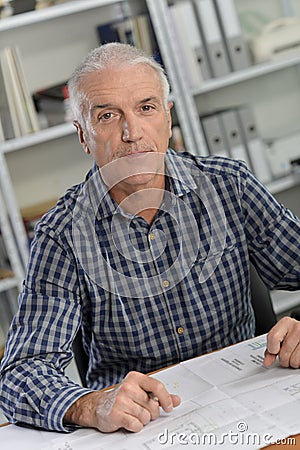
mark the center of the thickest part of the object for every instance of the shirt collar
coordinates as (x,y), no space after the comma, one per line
(180,173)
(180,182)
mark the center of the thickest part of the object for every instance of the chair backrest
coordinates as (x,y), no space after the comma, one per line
(81,358)
(265,317)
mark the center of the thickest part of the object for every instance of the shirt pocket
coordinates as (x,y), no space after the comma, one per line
(224,262)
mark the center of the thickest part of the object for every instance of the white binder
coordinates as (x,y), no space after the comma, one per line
(233,135)
(214,135)
(212,37)
(255,145)
(237,48)
(2,137)
(180,14)
(188,29)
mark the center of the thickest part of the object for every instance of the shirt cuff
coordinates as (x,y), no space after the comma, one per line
(54,420)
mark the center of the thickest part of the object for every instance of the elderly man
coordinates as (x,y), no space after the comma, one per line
(149,256)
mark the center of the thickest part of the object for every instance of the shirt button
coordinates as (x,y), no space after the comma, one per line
(180,330)
(152,236)
(166,283)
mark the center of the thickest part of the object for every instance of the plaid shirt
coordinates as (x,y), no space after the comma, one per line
(146,296)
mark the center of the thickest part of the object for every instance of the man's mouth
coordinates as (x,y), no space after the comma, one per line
(137,154)
(133,151)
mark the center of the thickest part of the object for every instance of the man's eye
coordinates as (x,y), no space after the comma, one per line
(147,108)
(105,116)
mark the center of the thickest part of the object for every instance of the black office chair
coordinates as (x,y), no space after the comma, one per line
(265,317)
(295,314)
(81,358)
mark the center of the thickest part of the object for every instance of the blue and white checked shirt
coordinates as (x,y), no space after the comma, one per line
(145,296)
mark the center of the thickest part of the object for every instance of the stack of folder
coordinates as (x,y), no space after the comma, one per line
(210,39)
(233,133)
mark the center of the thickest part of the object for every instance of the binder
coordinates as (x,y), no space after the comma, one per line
(237,48)
(212,37)
(214,135)
(7,125)
(30,111)
(233,135)
(2,137)
(126,31)
(136,30)
(107,32)
(9,93)
(143,33)
(16,96)
(188,31)
(189,63)
(255,144)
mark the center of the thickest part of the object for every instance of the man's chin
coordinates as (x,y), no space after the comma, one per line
(135,168)
(142,178)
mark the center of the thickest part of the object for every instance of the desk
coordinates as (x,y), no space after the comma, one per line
(229,401)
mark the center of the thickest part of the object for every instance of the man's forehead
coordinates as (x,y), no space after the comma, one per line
(138,75)
(108,85)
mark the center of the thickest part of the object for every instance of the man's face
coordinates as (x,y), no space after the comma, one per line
(128,127)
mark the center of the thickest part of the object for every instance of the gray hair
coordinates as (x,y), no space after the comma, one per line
(100,58)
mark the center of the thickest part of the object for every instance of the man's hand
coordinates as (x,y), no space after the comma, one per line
(283,341)
(127,406)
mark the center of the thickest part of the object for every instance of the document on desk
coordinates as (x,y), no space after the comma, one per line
(229,401)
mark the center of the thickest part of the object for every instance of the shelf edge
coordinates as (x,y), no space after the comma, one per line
(246,74)
(38,137)
(52,12)
(8,283)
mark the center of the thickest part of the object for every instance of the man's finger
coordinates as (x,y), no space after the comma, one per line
(157,389)
(269,359)
(283,340)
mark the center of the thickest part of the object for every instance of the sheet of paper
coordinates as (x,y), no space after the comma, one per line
(271,396)
(179,380)
(228,399)
(233,363)
(16,437)
(91,440)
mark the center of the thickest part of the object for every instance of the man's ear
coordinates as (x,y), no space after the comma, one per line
(170,105)
(81,137)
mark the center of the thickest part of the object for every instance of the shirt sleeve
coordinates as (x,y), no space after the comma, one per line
(34,388)
(273,235)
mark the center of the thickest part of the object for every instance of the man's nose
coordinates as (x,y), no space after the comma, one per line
(132,130)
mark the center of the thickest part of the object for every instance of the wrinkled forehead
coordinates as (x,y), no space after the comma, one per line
(114,84)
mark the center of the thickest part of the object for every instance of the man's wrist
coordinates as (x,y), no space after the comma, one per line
(82,411)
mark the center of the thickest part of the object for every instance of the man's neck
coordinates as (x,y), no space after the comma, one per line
(143,201)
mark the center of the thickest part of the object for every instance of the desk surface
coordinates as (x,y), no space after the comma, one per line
(13,436)
(229,400)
